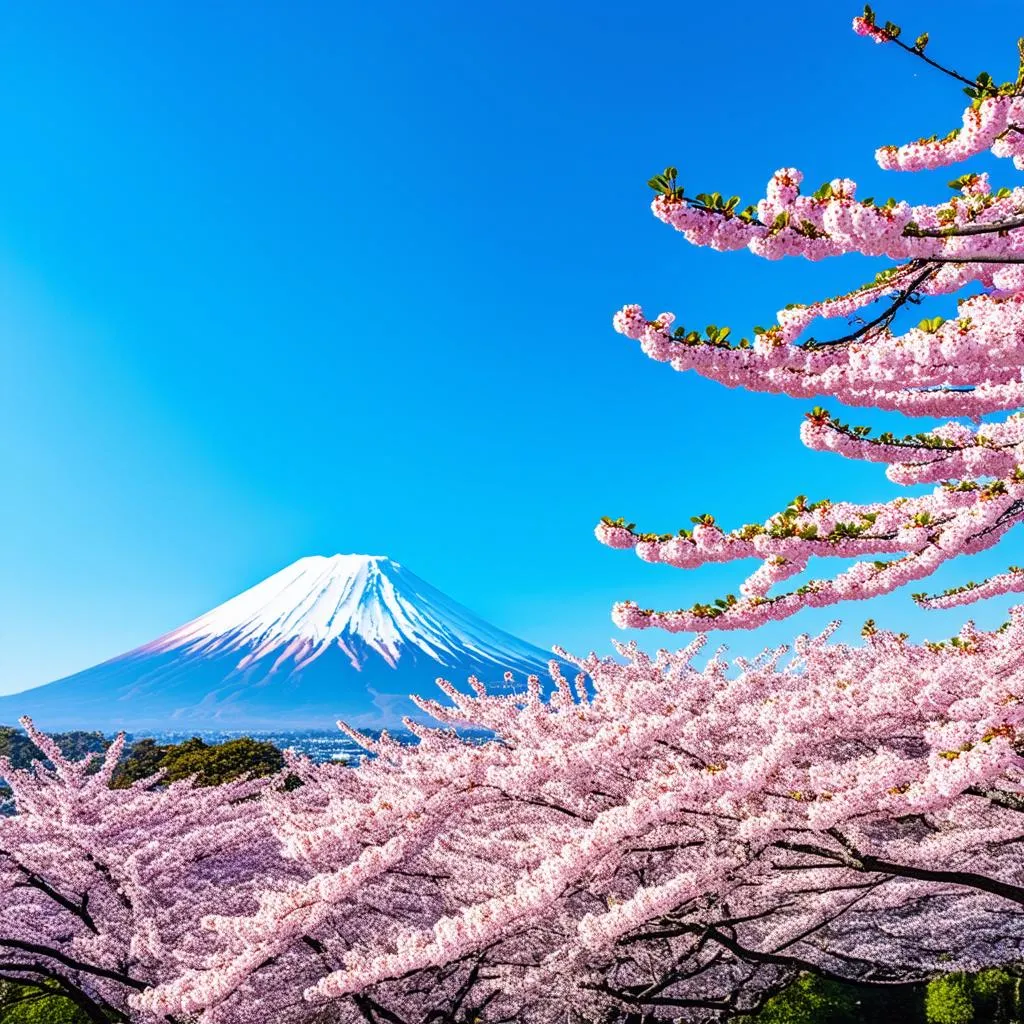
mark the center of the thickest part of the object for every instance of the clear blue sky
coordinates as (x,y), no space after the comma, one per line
(287,279)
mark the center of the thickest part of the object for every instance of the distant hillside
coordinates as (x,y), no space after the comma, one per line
(14,744)
(210,764)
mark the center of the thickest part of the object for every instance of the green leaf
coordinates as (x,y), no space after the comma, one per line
(963,181)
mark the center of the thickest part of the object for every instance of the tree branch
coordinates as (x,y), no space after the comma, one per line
(75,965)
(882,320)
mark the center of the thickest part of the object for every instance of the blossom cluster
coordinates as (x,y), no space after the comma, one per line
(833,222)
(959,369)
(102,890)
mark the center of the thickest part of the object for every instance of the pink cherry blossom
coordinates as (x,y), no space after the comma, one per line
(959,369)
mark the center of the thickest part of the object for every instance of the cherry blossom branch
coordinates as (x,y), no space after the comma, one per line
(1001,260)
(72,962)
(1000,797)
(961,231)
(857,861)
(80,909)
(371,1011)
(918,52)
(884,319)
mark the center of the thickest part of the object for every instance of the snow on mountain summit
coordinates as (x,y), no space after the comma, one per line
(326,637)
(321,601)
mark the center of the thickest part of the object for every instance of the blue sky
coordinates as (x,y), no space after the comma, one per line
(279,280)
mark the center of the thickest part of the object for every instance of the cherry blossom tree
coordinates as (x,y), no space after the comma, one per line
(102,888)
(688,839)
(678,845)
(964,367)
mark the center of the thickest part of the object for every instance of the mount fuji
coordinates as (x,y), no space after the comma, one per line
(348,636)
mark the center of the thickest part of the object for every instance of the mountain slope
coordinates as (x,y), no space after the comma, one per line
(349,636)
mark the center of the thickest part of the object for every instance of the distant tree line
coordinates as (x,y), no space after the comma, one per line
(211,763)
(16,745)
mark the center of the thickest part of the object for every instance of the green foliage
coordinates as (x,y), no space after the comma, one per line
(24,1004)
(948,1000)
(665,184)
(212,764)
(809,1000)
(989,996)
(991,984)
(22,752)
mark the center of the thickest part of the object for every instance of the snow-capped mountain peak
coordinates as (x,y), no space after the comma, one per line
(327,637)
(346,600)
